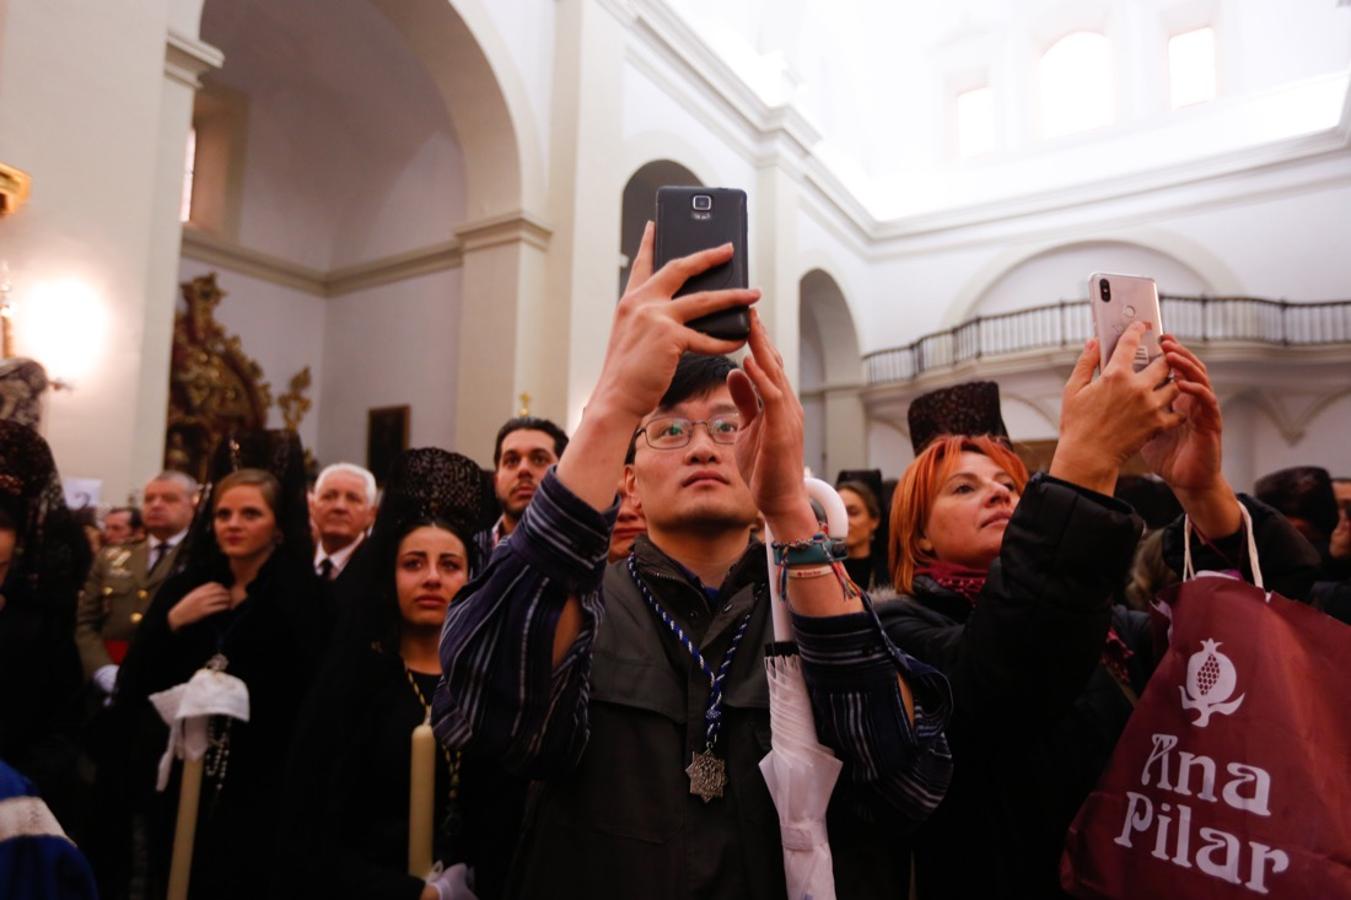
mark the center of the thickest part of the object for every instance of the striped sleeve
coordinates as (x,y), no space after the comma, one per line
(501,695)
(851,669)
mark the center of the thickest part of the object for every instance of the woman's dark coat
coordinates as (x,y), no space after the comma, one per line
(1036,715)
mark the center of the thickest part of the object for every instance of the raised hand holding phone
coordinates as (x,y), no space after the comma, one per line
(692,219)
(649,333)
(1104,421)
(1117,302)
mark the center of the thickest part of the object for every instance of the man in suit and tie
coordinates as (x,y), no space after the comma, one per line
(342,508)
(125,577)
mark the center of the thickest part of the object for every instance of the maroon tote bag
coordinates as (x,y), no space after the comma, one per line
(1232,778)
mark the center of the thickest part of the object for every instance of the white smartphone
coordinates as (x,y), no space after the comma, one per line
(1119,300)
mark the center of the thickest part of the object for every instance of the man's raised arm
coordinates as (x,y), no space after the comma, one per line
(516,645)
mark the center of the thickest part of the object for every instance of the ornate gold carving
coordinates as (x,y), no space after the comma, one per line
(525,405)
(294,404)
(14,185)
(214,386)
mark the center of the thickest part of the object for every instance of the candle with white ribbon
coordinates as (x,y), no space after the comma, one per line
(421,799)
(185,708)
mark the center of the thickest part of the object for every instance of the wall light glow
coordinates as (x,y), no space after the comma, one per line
(63,325)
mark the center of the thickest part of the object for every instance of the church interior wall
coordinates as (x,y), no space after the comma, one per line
(351,156)
(1324,440)
(1060,275)
(394,345)
(80,113)
(525,31)
(350,153)
(651,117)
(1276,245)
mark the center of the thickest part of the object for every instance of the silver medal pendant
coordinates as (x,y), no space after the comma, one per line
(708,775)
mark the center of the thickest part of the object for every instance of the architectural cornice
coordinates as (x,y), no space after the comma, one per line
(187,58)
(389,269)
(1200,171)
(208,248)
(507,228)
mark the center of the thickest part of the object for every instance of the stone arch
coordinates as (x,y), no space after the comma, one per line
(824,309)
(467,60)
(1211,273)
(830,376)
(637,205)
(502,239)
(471,67)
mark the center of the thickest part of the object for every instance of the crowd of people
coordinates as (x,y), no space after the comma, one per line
(585,629)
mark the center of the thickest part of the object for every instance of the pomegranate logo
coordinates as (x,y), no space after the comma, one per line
(1211,680)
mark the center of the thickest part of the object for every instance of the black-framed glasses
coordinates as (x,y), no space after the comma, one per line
(674,432)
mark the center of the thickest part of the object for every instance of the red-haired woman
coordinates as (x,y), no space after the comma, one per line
(1009,583)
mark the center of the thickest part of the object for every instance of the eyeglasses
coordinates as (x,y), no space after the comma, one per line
(674,432)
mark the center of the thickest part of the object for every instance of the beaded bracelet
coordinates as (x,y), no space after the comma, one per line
(817,550)
(812,558)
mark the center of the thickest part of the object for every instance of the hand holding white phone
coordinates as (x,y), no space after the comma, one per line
(1117,301)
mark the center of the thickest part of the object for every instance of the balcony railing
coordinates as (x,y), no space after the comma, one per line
(1069,323)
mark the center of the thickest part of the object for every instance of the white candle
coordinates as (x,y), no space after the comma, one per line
(421,799)
(185,830)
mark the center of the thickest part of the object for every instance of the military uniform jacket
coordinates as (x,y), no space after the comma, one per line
(115,596)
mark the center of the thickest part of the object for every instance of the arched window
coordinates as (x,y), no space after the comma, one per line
(1075,76)
(1191,67)
(639,203)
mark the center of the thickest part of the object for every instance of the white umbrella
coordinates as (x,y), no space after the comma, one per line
(799,770)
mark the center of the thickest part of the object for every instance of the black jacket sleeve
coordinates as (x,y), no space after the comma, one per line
(1037,630)
(1289,563)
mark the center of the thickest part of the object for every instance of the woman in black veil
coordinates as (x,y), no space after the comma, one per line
(245,593)
(349,779)
(44,558)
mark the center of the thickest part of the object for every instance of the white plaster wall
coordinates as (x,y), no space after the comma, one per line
(80,113)
(390,346)
(821,246)
(280,327)
(657,123)
(1286,244)
(1061,275)
(888,449)
(526,28)
(349,153)
(1281,238)
(1325,443)
(811,374)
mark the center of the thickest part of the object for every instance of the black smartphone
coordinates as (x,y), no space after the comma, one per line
(690,219)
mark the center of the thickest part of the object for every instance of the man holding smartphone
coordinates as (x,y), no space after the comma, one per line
(636,695)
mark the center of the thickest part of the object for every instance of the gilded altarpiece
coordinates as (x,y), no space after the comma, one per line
(215,387)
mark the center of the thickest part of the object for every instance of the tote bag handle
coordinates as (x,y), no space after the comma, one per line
(1189,570)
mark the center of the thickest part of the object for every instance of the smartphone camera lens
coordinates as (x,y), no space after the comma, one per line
(702,202)
(1105,290)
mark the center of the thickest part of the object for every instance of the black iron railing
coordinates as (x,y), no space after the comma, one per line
(1069,323)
